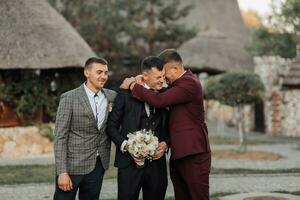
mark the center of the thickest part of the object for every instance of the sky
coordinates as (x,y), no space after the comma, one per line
(263,7)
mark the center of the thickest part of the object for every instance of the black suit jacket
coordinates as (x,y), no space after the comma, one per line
(125,118)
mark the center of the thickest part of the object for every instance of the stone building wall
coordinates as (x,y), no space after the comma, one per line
(281,106)
(290,113)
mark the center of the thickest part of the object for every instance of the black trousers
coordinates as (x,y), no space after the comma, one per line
(89,185)
(152,179)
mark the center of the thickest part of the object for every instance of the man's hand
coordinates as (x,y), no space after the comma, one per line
(64,182)
(139,79)
(161,149)
(138,161)
(126,83)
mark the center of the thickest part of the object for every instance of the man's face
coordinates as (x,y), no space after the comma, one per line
(154,78)
(170,72)
(97,75)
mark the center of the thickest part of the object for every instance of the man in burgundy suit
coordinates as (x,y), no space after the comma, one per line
(190,161)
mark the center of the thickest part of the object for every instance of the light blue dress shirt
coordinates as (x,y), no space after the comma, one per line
(98,103)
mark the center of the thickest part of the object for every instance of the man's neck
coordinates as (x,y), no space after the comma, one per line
(180,74)
(148,87)
(92,88)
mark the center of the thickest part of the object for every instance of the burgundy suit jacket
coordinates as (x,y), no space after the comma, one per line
(188,131)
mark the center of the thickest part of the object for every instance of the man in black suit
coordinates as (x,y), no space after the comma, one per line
(129,115)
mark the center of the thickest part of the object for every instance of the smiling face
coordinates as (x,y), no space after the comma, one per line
(154,78)
(97,75)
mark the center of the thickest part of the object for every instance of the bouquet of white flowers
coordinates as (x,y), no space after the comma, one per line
(142,144)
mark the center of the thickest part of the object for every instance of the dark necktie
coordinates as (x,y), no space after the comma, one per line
(151,110)
(96,99)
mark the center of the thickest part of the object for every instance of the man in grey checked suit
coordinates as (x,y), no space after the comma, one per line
(81,147)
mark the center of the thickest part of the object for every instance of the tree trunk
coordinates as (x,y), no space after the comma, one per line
(151,27)
(242,134)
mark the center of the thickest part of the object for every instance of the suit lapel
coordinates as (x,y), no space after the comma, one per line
(86,103)
(138,106)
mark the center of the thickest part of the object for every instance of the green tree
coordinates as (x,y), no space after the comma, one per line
(120,29)
(155,25)
(236,89)
(281,38)
(265,42)
(97,21)
(286,16)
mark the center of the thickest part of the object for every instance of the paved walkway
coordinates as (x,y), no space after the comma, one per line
(219,184)
(45,159)
(261,196)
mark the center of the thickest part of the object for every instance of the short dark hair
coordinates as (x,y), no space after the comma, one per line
(152,61)
(94,60)
(170,55)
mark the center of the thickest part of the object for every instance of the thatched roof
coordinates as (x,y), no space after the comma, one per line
(34,36)
(291,78)
(222,38)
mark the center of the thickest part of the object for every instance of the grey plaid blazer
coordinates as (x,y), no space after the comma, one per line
(77,138)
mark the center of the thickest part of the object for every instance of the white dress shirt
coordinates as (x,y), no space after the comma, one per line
(98,103)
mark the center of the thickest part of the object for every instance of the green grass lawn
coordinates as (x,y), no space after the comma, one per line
(26,174)
(232,140)
(35,174)
(45,173)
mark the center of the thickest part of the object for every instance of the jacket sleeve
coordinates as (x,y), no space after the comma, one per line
(175,95)
(115,119)
(61,133)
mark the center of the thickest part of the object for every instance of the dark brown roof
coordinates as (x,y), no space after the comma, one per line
(34,36)
(222,38)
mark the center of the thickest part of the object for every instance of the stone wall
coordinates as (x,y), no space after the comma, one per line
(23,141)
(281,106)
(290,113)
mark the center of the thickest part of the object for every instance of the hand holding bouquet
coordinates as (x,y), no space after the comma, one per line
(142,144)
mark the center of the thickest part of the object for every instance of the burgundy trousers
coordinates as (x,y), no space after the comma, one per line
(190,176)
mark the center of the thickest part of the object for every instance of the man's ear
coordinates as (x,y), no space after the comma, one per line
(176,68)
(145,76)
(86,73)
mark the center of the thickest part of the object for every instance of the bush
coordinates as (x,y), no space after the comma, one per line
(235,88)
(29,93)
(46,130)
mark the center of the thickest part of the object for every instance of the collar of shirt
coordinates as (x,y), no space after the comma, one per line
(147,86)
(147,105)
(90,93)
(179,77)
(182,74)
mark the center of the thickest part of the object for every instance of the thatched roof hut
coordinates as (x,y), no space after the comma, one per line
(222,38)
(34,36)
